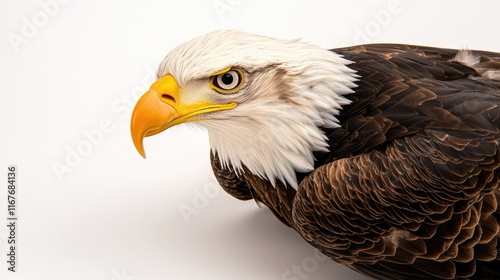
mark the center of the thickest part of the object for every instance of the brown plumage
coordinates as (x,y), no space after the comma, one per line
(409,187)
(386,160)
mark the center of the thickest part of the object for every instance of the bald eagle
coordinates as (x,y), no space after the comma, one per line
(384,157)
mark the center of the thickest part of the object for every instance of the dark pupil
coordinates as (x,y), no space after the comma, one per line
(227,78)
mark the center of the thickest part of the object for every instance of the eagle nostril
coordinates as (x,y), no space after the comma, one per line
(168,97)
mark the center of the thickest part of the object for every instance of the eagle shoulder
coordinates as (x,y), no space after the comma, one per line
(410,187)
(279,199)
(229,181)
(421,201)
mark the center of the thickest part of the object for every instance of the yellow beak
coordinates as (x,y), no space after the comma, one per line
(159,108)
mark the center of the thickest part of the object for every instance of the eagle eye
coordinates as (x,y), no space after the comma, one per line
(228,81)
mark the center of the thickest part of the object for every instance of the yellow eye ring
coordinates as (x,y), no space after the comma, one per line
(226,81)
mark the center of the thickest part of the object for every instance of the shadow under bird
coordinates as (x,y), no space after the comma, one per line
(384,157)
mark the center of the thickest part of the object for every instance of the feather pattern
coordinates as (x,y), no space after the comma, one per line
(293,80)
(384,157)
(408,188)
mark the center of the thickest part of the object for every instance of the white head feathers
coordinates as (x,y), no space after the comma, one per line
(291,90)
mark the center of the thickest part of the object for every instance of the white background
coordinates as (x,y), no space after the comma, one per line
(69,68)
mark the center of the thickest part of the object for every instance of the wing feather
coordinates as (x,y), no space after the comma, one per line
(409,189)
(455,222)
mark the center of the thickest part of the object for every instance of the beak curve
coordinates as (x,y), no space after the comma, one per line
(159,108)
(150,116)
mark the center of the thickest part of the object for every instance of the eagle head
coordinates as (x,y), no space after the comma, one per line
(263,101)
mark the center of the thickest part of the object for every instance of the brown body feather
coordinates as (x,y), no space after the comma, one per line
(409,189)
